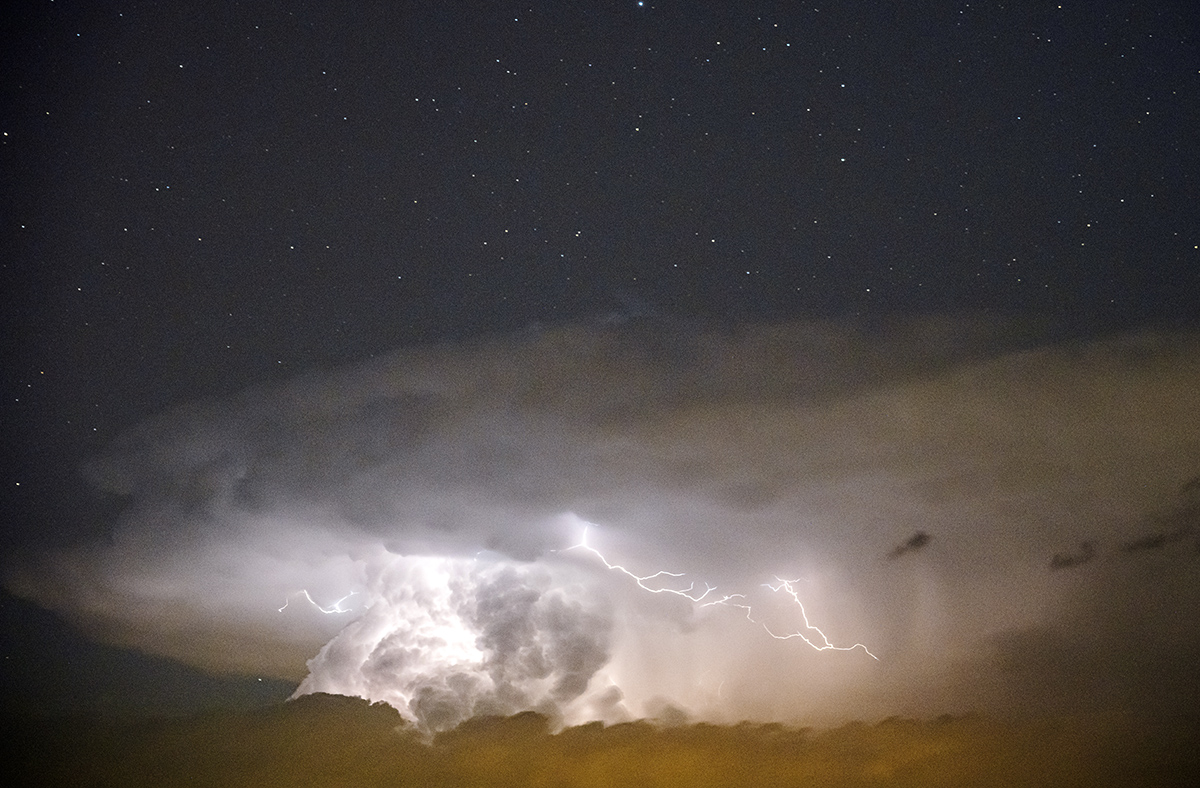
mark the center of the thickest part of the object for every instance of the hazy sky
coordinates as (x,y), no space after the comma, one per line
(381,310)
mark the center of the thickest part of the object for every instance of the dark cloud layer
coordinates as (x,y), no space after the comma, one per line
(443,484)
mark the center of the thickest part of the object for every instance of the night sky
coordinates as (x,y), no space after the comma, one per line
(899,298)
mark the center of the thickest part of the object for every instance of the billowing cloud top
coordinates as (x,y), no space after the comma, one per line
(412,517)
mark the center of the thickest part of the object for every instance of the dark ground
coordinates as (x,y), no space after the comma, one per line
(324,740)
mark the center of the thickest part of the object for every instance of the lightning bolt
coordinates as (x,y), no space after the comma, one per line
(336,607)
(729,600)
(686,593)
(788,588)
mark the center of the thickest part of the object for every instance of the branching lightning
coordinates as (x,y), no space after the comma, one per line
(788,587)
(336,607)
(729,600)
(687,593)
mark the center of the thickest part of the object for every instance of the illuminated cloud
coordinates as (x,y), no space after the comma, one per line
(446,639)
(412,515)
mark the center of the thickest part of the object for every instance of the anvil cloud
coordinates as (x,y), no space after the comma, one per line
(436,491)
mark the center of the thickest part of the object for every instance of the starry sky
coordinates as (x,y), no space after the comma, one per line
(242,206)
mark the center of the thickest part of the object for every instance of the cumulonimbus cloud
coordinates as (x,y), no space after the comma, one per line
(434,493)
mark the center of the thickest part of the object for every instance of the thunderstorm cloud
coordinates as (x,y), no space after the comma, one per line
(406,529)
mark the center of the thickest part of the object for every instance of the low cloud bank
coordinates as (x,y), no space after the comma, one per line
(324,740)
